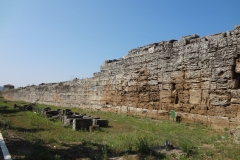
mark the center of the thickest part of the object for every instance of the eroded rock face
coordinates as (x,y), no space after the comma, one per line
(198,77)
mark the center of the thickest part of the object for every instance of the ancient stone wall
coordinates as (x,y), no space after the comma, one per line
(196,76)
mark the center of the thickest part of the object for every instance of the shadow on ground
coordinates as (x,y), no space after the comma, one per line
(37,150)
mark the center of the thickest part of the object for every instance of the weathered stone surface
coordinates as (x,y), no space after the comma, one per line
(81,124)
(194,75)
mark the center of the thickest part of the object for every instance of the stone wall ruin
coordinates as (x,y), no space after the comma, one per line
(196,76)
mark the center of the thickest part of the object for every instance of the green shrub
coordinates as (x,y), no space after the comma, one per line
(104,152)
(186,145)
(143,146)
(5,124)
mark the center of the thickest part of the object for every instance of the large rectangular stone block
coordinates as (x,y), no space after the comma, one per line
(177,76)
(167,106)
(165,96)
(205,97)
(168,86)
(183,96)
(217,122)
(192,74)
(81,124)
(235,93)
(195,96)
(217,99)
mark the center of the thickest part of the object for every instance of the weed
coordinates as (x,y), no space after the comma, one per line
(51,140)
(104,152)
(209,153)
(57,157)
(183,157)
(226,129)
(186,145)
(143,146)
(4,133)
(5,124)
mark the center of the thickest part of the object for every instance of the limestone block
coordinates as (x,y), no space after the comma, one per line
(235,108)
(217,122)
(235,100)
(222,42)
(153,82)
(81,124)
(187,117)
(167,106)
(152,63)
(237,67)
(231,115)
(217,99)
(177,58)
(178,107)
(192,66)
(205,97)
(160,77)
(154,96)
(222,73)
(179,86)
(231,38)
(167,68)
(192,74)
(186,85)
(218,111)
(160,86)
(191,57)
(205,64)
(168,86)
(166,77)
(205,85)
(162,63)
(143,78)
(132,83)
(165,96)
(216,63)
(234,122)
(206,56)
(200,118)
(188,107)
(226,53)
(151,105)
(195,96)
(195,86)
(153,74)
(177,76)
(163,114)
(235,93)
(183,96)
(154,88)
(213,85)
(222,85)
(143,86)
(202,112)
(230,62)
(206,72)
(144,97)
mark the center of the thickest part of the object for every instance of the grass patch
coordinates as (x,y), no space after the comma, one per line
(126,135)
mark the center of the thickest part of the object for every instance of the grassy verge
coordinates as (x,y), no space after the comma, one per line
(31,136)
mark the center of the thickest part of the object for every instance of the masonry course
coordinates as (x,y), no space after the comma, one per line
(198,77)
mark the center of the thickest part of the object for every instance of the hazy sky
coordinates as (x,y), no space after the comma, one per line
(46,41)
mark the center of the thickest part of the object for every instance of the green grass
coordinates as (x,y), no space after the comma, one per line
(126,135)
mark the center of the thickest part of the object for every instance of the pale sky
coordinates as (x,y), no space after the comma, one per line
(43,41)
